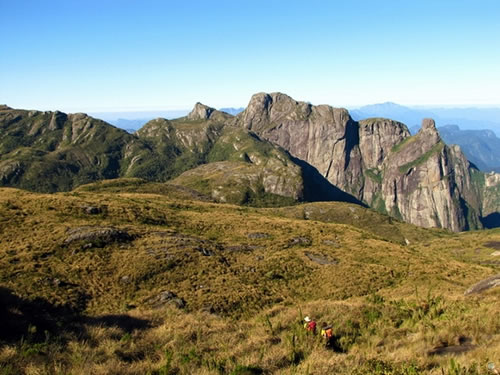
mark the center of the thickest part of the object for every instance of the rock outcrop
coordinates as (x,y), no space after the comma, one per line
(428,184)
(416,179)
(484,285)
(97,236)
(201,112)
(321,136)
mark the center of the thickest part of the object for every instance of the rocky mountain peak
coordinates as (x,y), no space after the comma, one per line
(200,112)
(429,131)
(428,124)
(265,100)
(57,120)
(276,107)
(4,107)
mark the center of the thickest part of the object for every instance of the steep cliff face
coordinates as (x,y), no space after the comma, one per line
(323,136)
(416,179)
(341,149)
(377,137)
(428,184)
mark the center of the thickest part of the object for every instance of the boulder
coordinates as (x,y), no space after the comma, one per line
(97,236)
(483,285)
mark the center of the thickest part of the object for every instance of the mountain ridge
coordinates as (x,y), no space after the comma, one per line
(417,179)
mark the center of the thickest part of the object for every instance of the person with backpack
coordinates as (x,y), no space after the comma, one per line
(327,334)
(309,324)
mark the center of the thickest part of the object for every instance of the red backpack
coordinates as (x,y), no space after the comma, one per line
(311,326)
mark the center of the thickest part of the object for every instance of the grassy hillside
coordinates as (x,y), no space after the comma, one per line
(52,151)
(101,281)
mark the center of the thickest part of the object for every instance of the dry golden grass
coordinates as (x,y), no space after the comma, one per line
(390,302)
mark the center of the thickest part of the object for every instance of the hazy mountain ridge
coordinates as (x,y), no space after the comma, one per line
(133,121)
(482,147)
(467,118)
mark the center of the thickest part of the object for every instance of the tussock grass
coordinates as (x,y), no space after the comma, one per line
(393,294)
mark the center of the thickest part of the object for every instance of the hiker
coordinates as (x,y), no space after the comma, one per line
(491,367)
(310,324)
(327,334)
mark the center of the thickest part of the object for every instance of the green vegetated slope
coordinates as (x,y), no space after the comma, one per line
(127,276)
(52,151)
(243,169)
(181,144)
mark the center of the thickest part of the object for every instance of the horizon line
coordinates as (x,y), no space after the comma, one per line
(178,108)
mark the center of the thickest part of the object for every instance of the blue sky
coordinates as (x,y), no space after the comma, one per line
(118,55)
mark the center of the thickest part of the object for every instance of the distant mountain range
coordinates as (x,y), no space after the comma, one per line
(467,118)
(232,111)
(482,147)
(133,121)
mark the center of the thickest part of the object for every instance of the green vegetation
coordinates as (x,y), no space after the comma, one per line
(374,174)
(397,148)
(236,145)
(478,178)
(378,204)
(78,150)
(438,147)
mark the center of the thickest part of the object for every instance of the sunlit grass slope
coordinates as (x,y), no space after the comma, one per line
(126,277)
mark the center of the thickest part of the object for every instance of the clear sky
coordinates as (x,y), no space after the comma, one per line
(118,55)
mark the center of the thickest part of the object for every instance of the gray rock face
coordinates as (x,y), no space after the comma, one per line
(258,235)
(484,285)
(416,179)
(167,297)
(200,112)
(428,183)
(321,259)
(376,139)
(323,136)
